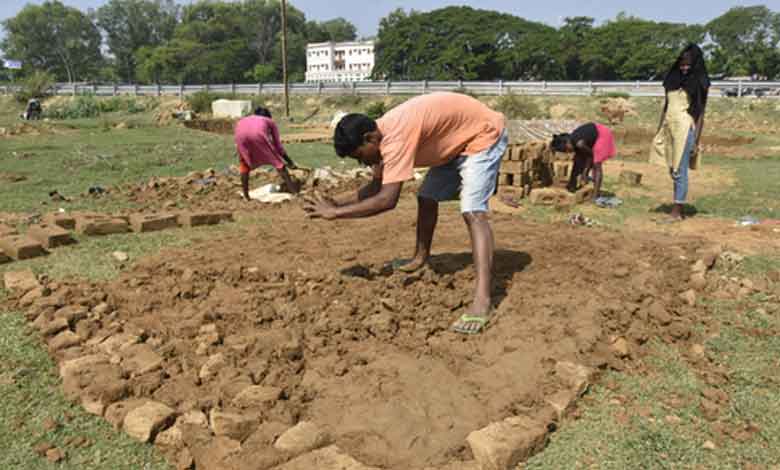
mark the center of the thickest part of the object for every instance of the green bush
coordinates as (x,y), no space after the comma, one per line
(38,86)
(520,107)
(376,109)
(615,94)
(88,106)
(343,101)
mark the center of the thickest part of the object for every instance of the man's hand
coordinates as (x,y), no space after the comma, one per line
(320,208)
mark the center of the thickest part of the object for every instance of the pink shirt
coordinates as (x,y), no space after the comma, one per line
(258,142)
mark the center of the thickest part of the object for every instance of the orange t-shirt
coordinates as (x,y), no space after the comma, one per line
(430,130)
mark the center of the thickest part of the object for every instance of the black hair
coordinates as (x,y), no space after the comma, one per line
(350,133)
(261,111)
(696,82)
(559,142)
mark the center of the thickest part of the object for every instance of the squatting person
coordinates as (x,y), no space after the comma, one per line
(592,144)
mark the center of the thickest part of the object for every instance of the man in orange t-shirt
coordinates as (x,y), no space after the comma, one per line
(462,141)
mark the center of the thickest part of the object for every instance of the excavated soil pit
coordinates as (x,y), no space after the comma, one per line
(307,310)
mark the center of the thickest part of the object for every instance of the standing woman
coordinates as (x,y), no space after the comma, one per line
(677,141)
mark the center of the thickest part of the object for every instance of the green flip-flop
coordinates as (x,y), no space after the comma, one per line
(482,321)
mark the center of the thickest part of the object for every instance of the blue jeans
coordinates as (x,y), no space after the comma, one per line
(474,177)
(680,177)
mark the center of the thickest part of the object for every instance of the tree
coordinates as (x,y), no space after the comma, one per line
(629,48)
(226,42)
(746,42)
(129,25)
(337,30)
(453,44)
(574,35)
(54,38)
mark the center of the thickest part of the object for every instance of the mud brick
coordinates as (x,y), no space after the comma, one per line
(505,179)
(552,197)
(512,167)
(562,171)
(584,194)
(21,247)
(50,236)
(66,221)
(99,225)
(4,258)
(153,223)
(6,230)
(195,219)
(503,445)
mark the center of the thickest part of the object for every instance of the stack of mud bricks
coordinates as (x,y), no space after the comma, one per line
(530,165)
(55,229)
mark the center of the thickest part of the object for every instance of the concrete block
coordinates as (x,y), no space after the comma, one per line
(100,225)
(66,221)
(21,247)
(231,109)
(50,236)
(195,219)
(152,223)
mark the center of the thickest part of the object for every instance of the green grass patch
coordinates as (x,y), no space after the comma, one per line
(32,394)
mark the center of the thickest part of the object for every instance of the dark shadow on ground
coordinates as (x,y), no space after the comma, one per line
(506,264)
(687,210)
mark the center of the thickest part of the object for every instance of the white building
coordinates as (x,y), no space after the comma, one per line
(339,61)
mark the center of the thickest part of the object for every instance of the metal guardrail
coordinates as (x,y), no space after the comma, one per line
(367,88)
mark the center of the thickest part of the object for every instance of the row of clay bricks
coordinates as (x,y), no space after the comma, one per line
(55,230)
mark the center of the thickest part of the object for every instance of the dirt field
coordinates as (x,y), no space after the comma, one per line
(255,345)
(364,352)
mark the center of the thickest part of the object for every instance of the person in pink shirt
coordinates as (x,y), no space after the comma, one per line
(462,141)
(258,143)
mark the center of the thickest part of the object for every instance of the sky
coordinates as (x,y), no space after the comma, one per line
(365,14)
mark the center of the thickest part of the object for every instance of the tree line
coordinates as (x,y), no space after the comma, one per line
(214,41)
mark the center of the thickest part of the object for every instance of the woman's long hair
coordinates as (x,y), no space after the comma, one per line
(696,82)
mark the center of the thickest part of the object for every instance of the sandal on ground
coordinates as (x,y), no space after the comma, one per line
(480,320)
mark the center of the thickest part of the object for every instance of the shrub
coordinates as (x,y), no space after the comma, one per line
(343,101)
(615,94)
(38,85)
(88,106)
(520,107)
(376,110)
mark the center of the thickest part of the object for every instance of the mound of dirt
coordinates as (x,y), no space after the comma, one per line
(237,341)
(168,110)
(615,110)
(220,191)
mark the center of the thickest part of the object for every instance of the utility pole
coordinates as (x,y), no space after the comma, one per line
(284,61)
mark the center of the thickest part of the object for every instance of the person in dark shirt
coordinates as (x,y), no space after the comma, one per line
(592,144)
